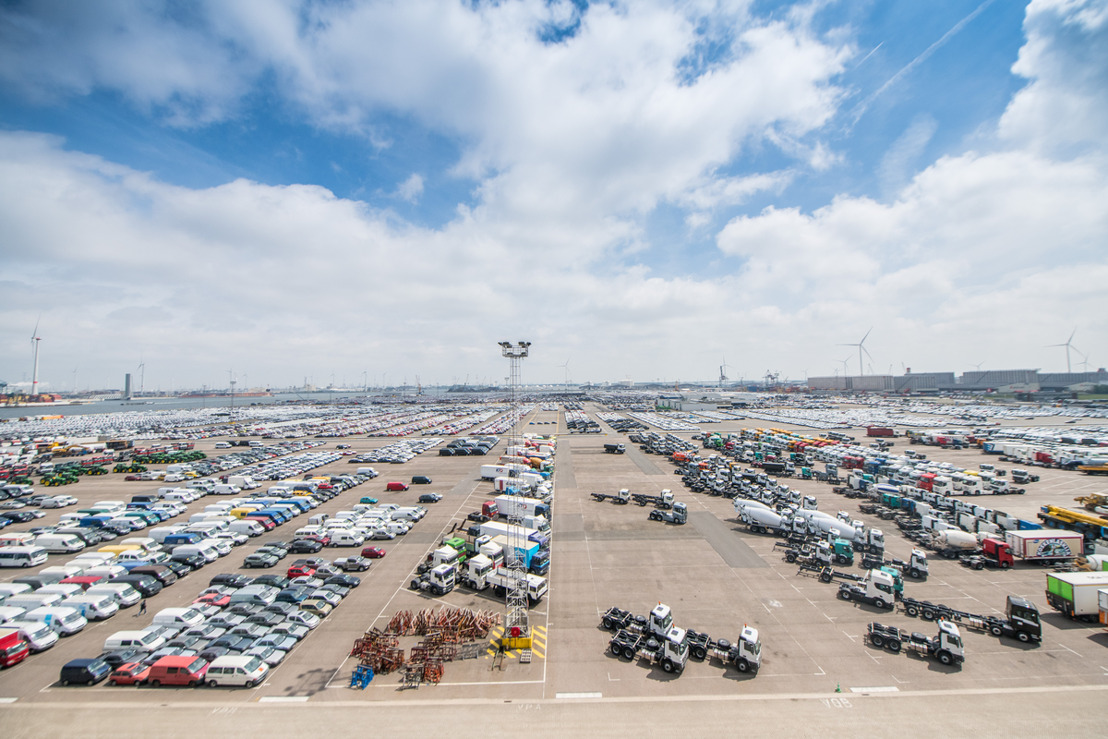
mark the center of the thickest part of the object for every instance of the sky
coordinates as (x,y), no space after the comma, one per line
(281,191)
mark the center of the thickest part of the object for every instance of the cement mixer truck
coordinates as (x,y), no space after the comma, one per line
(954,543)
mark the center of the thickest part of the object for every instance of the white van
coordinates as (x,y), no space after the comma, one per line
(143,641)
(64,620)
(123,593)
(65,591)
(207,551)
(145,542)
(179,497)
(69,569)
(180,617)
(39,636)
(207,527)
(110,506)
(226,490)
(94,558)
(8,589)
(60,543)
(93,607)
(346,539)
(236,671)
(250,528)
(158,534)
(10,613)
(17,539)
(223,445)
(22,556)
(31,601)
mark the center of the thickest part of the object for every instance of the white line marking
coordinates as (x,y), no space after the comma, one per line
(578,695)
(283,699)
(8,700)
(882,689)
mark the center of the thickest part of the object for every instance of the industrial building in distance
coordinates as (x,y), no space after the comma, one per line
(1002,381)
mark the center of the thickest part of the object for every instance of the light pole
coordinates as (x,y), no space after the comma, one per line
(517,630)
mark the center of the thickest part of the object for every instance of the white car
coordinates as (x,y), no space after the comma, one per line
(234,537)
(59,501)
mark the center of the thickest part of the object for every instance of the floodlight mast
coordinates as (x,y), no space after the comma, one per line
(517,627)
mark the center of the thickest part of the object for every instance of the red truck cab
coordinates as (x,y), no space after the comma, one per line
(13,647)
(998,553)
(488,508)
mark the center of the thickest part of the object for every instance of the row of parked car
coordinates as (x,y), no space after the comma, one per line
(235,632)
(94,585)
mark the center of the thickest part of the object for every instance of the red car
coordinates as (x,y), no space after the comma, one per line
(300,570)
(373,552)
(219,600)
(321,538)
(394,486)
(129,673)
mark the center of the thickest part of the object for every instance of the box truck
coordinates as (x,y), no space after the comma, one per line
(1075,593)
(1043,545)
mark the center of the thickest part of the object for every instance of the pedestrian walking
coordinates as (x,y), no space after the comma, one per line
(142,607)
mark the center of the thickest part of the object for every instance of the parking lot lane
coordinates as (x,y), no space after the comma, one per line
(727,543)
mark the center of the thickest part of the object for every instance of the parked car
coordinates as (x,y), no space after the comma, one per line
(260,560)
(129,673)
(421,480)
(84,671)
(430,498)
(373,552)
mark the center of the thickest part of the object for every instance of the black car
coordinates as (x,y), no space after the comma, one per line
(421,480)
(119,657)
(233,644)
(266,618)
(232,580)
(146,585)
(277,581)
(346,581)
(18,516)
(85,671)
(305,546)
(430,498)
(192,562)
(181,567)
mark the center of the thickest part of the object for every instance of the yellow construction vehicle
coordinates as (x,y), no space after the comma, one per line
(1093,501)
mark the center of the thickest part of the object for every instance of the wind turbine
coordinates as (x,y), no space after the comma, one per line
(142,375)
(844,361)
(861,348)
(1069,345)
(35,339)
(565,367)
(723,372)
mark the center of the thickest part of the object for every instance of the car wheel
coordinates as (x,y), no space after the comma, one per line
(213,684)
(155,683)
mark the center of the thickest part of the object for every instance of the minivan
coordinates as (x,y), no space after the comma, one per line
(205,550)
(185,617)
(38,635)
(34,600)
(176,670)
(121,592)
(161,573)
(66,621)
(142,641)
(26,556)
(85,671)
(94,607)
(262,594)
(238,671)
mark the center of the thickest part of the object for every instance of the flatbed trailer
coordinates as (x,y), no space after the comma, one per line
(946,647)
(620,498)
(1021,619)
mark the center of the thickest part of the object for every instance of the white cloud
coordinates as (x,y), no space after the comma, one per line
(411,188)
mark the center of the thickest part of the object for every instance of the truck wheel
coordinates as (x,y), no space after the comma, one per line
(1005,565)
(615,649)
(912,611)
(790,558)
(880,603)
(878,640)
(946,658)
(1023,636)
(667,665)
(928,614)
(608,624)
(824,577)
(914,573)
(699,653)
(995,630)
(894,645)
(742,665)
(844,595)
(628,653)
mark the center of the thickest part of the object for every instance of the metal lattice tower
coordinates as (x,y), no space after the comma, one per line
(517,624)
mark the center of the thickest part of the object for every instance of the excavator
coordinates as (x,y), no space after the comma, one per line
(1095,502)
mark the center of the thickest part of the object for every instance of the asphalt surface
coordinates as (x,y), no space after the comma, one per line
(819,677)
